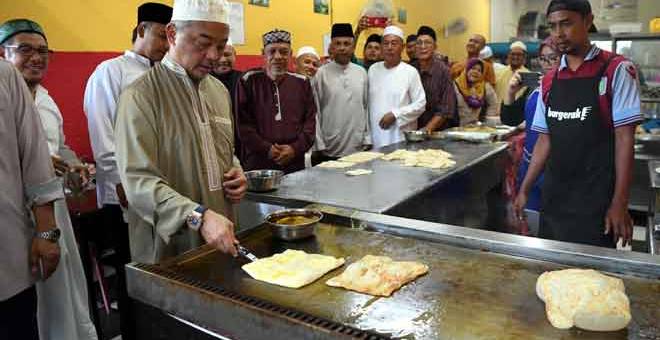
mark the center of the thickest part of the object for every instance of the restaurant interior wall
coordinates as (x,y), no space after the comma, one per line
(83,33)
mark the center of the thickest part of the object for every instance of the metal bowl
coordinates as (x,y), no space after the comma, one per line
(263,180)
(415,136)
(293,232)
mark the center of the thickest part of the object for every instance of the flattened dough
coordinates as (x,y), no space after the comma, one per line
(292,268)
(361,157)
(335,165)
(359,172)
(584,298)
(429,158)
(378,275)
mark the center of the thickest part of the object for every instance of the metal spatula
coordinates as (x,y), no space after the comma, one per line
(246,253)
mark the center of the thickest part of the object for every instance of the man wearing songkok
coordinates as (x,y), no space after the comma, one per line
(516,63)
(396,94)
(28,239)
(373,50)
(63,300)
(342,88)
(276,110)
(307,61)
(438,87)
(175,142)
(474,45)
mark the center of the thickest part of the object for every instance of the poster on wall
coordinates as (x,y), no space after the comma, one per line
(237,23)
(321,7)
(262,3)
(403,15)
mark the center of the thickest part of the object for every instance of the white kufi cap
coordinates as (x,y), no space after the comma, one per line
(518,44)
(201,10)
(394,30)
(486,53)
(307,50)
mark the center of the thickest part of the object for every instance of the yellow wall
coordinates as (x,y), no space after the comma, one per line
(98,25)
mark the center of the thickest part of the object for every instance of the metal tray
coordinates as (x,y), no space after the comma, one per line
(469,292)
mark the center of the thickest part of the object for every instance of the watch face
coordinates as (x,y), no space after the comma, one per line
(57,233)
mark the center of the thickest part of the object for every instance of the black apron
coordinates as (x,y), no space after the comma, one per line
(580,174)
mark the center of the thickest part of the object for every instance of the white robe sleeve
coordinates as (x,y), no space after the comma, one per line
(100,106)
(409,113)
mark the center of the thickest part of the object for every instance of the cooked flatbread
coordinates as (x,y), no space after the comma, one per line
(359,172)
(584,298)
(361,157)
(378,275)
(292,268)
(335,165)
(430,158)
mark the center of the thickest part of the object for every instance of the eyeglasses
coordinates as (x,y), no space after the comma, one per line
(28,50)
(550,58)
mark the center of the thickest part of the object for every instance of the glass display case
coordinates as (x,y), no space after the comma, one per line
(644,51)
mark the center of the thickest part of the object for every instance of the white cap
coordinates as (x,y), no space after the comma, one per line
(486,53)
(393,30)
(230,42)
(307,50)
(518,44)
(201,10)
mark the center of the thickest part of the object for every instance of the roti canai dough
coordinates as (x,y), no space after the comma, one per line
(430,158)
(378,275)
(361,157)
(292,268)
(359,172)
(335,165)
(584,298)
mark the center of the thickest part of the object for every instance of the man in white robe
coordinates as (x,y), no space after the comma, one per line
(396,94)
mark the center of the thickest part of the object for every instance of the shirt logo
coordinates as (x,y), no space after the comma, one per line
(580,113)
(602,86)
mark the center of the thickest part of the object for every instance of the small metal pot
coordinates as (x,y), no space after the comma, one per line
(293,232)
(263,180)
(415,136)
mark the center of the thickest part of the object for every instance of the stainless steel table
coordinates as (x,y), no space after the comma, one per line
(420,193)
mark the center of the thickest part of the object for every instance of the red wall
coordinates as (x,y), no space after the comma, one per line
(66,79)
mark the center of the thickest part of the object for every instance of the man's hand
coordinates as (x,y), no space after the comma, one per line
(121,194)
(48,253)
(619,224)
(286,154)
(235,185)
(387,121)
(519,206)
(274,152)
(60,166)
(218,231)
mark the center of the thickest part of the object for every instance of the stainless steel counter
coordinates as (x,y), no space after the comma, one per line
(653,235)
(481,284)
(395,189)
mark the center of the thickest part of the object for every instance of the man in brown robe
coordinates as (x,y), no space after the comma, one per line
(276,110)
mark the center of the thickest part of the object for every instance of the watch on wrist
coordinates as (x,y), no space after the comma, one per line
(195,219)
(52,235)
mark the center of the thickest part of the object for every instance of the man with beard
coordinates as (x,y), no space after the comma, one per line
(517,58)
(175,142)
(396,94)
(342,88)
(474,45)
(276,110)
(586,116)
(229,77)
(307,61)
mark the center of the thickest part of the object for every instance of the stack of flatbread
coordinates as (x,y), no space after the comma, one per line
(292,268)
(584,298)
(429,158)
(335,165)
(361,157)
(378,275)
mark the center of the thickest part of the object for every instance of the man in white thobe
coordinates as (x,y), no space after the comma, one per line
(396,94)
(342,88)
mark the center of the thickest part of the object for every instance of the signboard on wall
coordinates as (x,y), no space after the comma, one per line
(237,23)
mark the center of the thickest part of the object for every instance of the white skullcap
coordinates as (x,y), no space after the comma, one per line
(307,50)
(486,53)
(393,30)
(518,44)
(201,10)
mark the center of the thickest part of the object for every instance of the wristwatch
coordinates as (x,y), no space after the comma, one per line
(52,235)
(195,219)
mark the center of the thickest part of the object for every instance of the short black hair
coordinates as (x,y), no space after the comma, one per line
(426,30)
(581,6)
(411,38)
(147,25)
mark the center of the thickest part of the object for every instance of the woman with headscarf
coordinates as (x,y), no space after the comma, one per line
(475,98)
(511,114)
